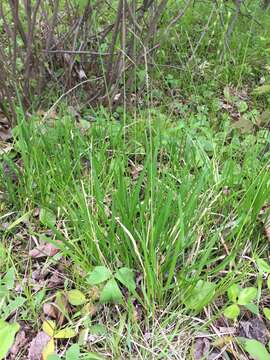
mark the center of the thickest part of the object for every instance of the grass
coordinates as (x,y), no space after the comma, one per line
(174,189)
(174,200)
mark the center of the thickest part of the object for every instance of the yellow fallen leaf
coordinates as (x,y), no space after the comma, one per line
(48,350)
(49,327)
(66,333)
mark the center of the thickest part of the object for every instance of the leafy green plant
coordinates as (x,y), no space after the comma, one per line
(264,269)
(7,335)
(255,349)
(239,297)
(111,291)
(201,295)
(8,305)
(49,327)
(246,296)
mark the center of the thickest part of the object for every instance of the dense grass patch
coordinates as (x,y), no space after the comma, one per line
(172,200)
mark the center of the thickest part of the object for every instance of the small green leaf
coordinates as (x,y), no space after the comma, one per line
(73,353)
(99,275)
(12,306)
(233,292)
(247,295)
(266,312)
(66,333)
(47,218)
(111,293)
(201,295)
(263,266)
(252,308)
(232,312)
(7,335)
(53,357)
(242,106)
(76,297)
(126,277)
(268,282)
(255,349)
(9,279)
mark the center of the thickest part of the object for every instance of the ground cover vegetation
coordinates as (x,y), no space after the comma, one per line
(134,179)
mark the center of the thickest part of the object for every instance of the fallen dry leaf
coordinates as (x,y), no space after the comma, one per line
(201,348)
(135,171)
(50,310)
(19,343)
(5,148)
(48,350)
(5,130)
(55,280)
(37,346)
(254,329)
(44,250)
(5,133)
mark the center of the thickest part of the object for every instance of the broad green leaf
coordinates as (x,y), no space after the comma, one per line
(47,217)
(255,349)
(268,282)
(233,292)
(13,305)
(73,353)
(9,279)
(16,303)
(66,333)
(3,323)
(49,327)
(266,312)
(247,295)
(126,277)
(7,335)
(53,357)
(76,297)
(111,293)
(232,312)
(261,90)
(48,350)
(99,275)
(242,106)
(263,266)
(252,308)
(201,295)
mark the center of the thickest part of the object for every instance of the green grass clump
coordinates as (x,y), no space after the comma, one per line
(174,200)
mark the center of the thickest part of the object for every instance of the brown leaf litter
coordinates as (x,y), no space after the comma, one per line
(44,250)
(37,345)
